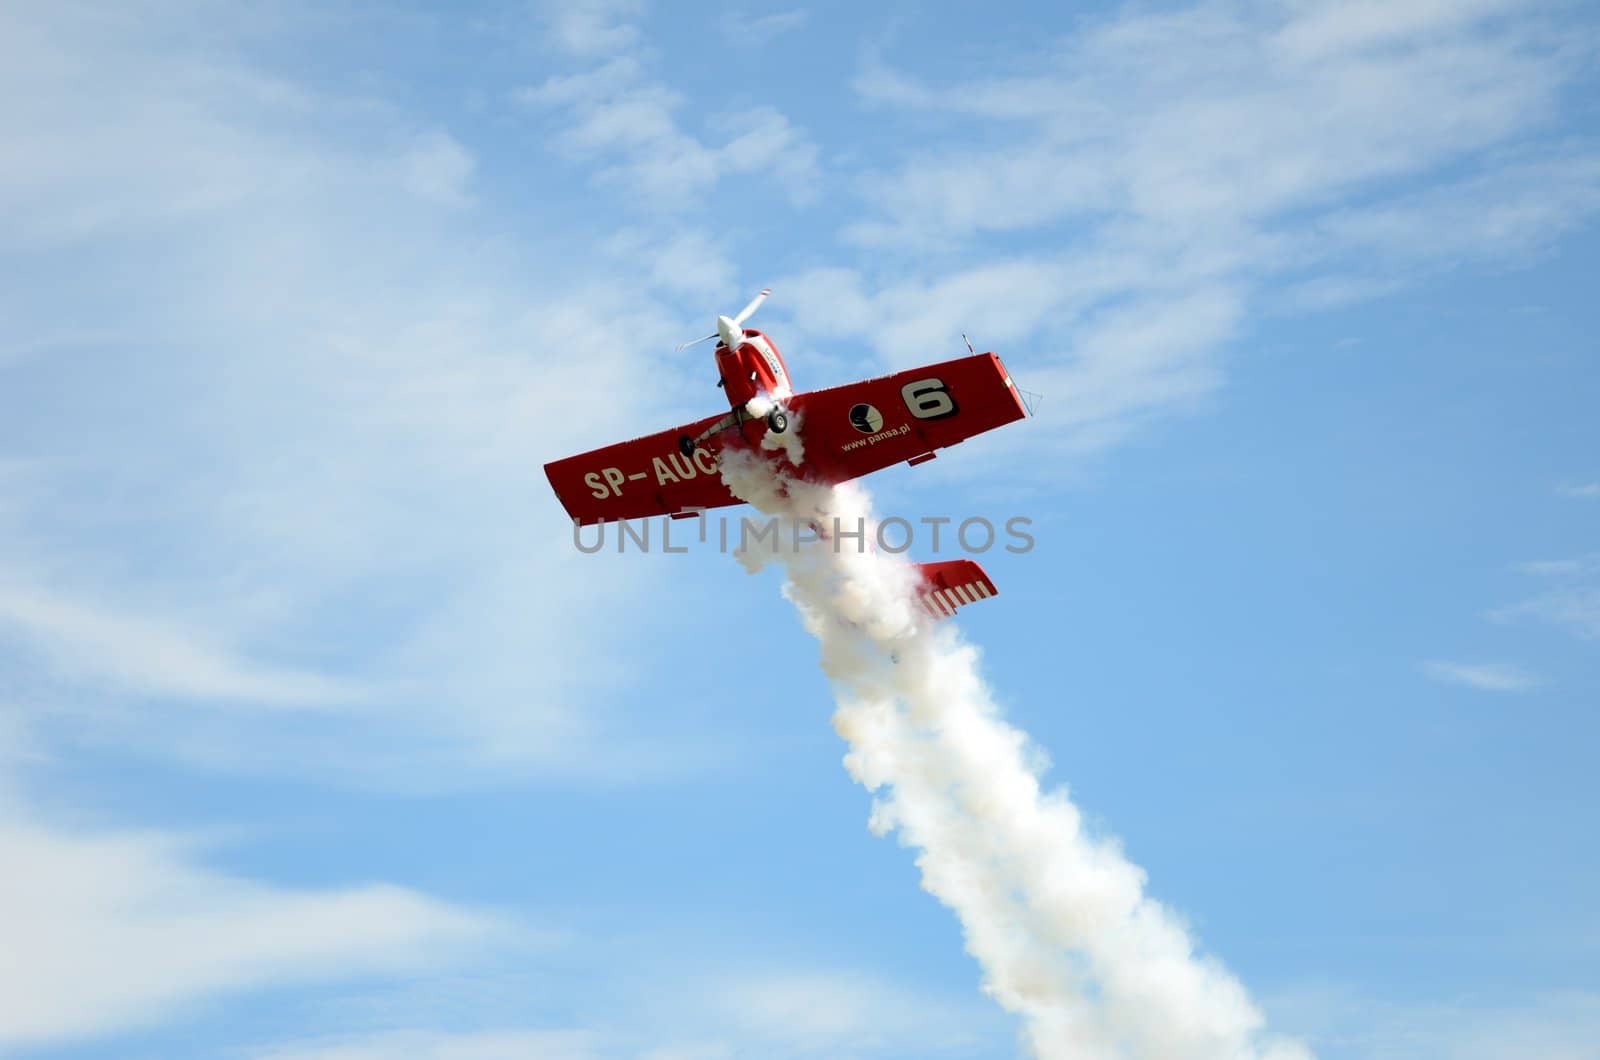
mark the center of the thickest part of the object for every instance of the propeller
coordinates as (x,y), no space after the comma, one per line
(731,329)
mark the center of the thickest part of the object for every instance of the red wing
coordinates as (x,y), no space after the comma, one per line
(859,428)
(640,478)
(848,431)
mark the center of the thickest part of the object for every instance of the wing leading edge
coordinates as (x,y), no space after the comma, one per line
(858,428)
(640,478)
(848,431)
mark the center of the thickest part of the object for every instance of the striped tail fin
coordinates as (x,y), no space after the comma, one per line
(950,585)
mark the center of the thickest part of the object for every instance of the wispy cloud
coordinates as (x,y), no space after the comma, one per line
(1576,608)
(1579,490)
(107,930)
(1241,158)
(753,31)
(1576,567)
(626,123)
(1559,1025)
(1572,601)
(836,1013)
(772,1012)
(1222,112)
(592,27)
(151,656)
(312,463)
(1485,677)
(444,1045)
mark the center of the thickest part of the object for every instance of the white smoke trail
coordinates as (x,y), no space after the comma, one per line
(1057,919)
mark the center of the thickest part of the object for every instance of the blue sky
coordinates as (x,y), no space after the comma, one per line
(318,739)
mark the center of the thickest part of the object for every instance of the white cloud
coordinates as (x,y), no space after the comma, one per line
(626,123)
(1558,1025)
(1576,608)
(685,261)
(1547,568)
(148,656)
(1234,158)
(1485,677)
(907,320)
(834,1014)
(1572,601)
(437,1045)
(17,743)
(1510,212)
(298,415)
(1359,25)
(753,31)
(438,168)
(1121,353)
(1221,111)
(1579,490)
(593,27)
(107,930)
(682,1014)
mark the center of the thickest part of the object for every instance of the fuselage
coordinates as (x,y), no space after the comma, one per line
(752,370)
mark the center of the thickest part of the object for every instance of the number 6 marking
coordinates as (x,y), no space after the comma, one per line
(927,399)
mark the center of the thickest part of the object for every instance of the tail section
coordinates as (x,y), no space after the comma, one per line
(950,585)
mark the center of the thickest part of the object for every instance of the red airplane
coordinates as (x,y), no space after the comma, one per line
(848,431)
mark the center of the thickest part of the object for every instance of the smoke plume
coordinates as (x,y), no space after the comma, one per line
(1058,919)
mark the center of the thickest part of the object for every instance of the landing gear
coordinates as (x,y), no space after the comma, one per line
(686,446)
(777,422)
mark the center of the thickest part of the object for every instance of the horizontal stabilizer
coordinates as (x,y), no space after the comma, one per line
(945,587)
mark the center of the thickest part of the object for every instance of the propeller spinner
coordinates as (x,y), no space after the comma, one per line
(731,329)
